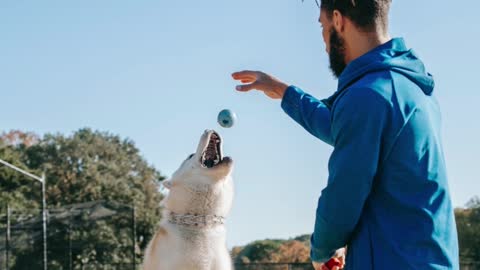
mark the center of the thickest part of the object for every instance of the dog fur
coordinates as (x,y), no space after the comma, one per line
(194,189)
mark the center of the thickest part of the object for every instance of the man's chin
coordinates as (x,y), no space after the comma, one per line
(337,70)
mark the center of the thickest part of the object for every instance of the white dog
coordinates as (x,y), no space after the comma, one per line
(192,231)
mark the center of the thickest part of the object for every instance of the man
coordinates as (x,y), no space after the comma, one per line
(387,195)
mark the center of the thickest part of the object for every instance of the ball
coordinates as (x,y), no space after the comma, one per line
(226,118)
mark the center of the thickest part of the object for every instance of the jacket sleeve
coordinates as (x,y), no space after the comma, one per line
(309,112)
(358,122)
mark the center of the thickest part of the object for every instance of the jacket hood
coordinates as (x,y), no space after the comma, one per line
(393,56)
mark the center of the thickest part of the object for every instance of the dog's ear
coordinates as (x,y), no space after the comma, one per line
(167,184)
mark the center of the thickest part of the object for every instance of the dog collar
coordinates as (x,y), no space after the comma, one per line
(195,220)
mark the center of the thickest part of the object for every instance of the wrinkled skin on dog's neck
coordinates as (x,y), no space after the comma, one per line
(201,199)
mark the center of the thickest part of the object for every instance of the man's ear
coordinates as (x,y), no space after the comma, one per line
(338,21)
(167,184)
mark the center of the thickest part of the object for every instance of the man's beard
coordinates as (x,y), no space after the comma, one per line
(337,53)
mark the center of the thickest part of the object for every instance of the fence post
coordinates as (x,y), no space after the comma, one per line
(70,262)
(134,235)
(7,242)
(44,222)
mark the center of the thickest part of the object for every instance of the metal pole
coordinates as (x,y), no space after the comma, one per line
(44,221)
(70,262)
(7,243)
(20,170)
(134,235)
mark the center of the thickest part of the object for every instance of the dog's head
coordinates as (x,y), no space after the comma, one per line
(203,181)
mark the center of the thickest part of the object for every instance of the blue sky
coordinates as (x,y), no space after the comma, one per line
(158,72)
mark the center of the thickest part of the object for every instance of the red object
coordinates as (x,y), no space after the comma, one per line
(333,262)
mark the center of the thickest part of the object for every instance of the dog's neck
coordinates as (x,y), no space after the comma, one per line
(193,220)
(200,210)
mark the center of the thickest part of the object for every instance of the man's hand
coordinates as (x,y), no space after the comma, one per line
(271,86)
(337,262)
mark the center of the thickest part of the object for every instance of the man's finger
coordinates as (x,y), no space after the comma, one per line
(247,80)
(246,74)
(246,87)
(241,77)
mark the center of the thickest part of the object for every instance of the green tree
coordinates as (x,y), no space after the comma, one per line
(304,238)
(16,189)
(260,251)
(296,250)
(468,226)
(86,166)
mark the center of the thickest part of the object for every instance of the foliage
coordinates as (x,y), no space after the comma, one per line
(273,251)
(84,167)
(468,226)
(16,190)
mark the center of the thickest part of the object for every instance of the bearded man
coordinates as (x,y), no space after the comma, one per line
(387,195)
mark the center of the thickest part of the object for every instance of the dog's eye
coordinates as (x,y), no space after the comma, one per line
(189,157)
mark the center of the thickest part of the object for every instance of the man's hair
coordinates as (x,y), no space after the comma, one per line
(366,14)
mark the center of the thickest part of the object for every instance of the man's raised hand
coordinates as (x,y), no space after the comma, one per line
(271,86)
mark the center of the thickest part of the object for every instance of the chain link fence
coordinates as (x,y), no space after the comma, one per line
(90,236)
(464,265)
(274,266)
(94,235)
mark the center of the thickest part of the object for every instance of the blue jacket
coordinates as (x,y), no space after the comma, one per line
(387,195)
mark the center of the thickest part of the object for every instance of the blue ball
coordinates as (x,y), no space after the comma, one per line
(226,118)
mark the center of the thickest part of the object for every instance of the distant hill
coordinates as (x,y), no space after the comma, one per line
(294,250)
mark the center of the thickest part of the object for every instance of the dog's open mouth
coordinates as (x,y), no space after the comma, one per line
(212,155)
